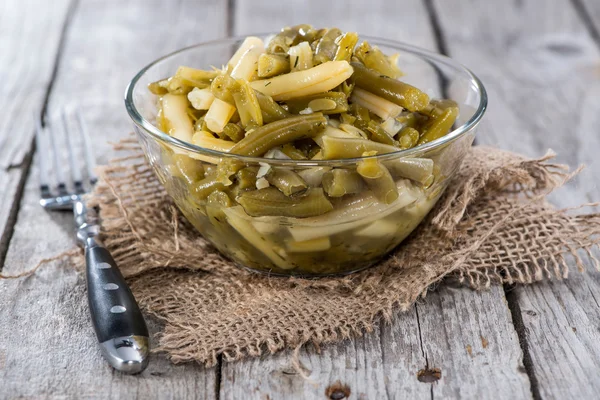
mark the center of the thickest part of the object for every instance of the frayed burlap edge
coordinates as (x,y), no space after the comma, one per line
(486,229)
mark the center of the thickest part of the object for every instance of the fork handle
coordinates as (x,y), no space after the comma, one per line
(118,322)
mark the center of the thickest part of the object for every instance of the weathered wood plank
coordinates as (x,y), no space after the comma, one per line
(47,345)
(9,182)
(29,43)
(540,66)
(561,321)
(591,15)
(436,333)
(366,368)
(470,337)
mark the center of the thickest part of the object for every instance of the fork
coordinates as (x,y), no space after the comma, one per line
(118,322)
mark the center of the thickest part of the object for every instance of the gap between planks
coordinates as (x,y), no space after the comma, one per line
(63,317)
(25,166)
(432,345)
(585,15)
(508,29)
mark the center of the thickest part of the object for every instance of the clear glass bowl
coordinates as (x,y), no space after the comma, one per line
(359,230)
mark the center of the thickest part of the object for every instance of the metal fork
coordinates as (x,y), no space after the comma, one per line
(118,322)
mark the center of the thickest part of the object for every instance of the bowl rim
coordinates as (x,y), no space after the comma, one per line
(161,136)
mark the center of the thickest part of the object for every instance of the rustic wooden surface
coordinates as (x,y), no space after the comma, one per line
(541,67)
(540,63)
(50,349)
(417,340)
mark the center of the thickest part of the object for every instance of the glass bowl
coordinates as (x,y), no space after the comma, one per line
(359,230)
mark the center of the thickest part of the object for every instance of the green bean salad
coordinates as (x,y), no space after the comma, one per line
(303,94)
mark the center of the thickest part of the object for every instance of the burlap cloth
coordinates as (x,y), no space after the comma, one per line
(492,226)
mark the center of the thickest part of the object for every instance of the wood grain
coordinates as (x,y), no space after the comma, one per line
(590,10)
(441,335)
(540,66)
(470,337)
(434,334)
(29,43)
(367,368)
(47,345)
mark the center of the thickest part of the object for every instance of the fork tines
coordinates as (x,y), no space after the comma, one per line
(63,132)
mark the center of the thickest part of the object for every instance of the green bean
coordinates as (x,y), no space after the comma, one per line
(162,123)
(159,87)
(209,141)
(379,106)
(218,198)
(345,88)
(194,114)
(436,107)
(222,135)
(346,118)
(271,111)
(439,126)
(398,92)
(309,246)
(225,169)
(416,169)
(374,59)
(233,132)
(176,86)
(200,125)
(206,186)
(195,77)
(247,105)
(292,152)
(326,47)
(409,137)
(318,34)
(362,115)
(378,178)
(274,134)
(407,120)
(334,148)
(279,133)
(444,103)
(184,80)
(255,242)
(281,43)
(346,44)
(221,86)
(339,182)
(272,64)
(378,134)
(246,177)
(270,201)
(240,94)
(189,169)
(331,103)
(215,203)
(306,33)
(287,181)
(318,79)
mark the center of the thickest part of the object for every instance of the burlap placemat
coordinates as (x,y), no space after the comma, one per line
(492,226)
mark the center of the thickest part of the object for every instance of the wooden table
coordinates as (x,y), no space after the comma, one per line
(539,60)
